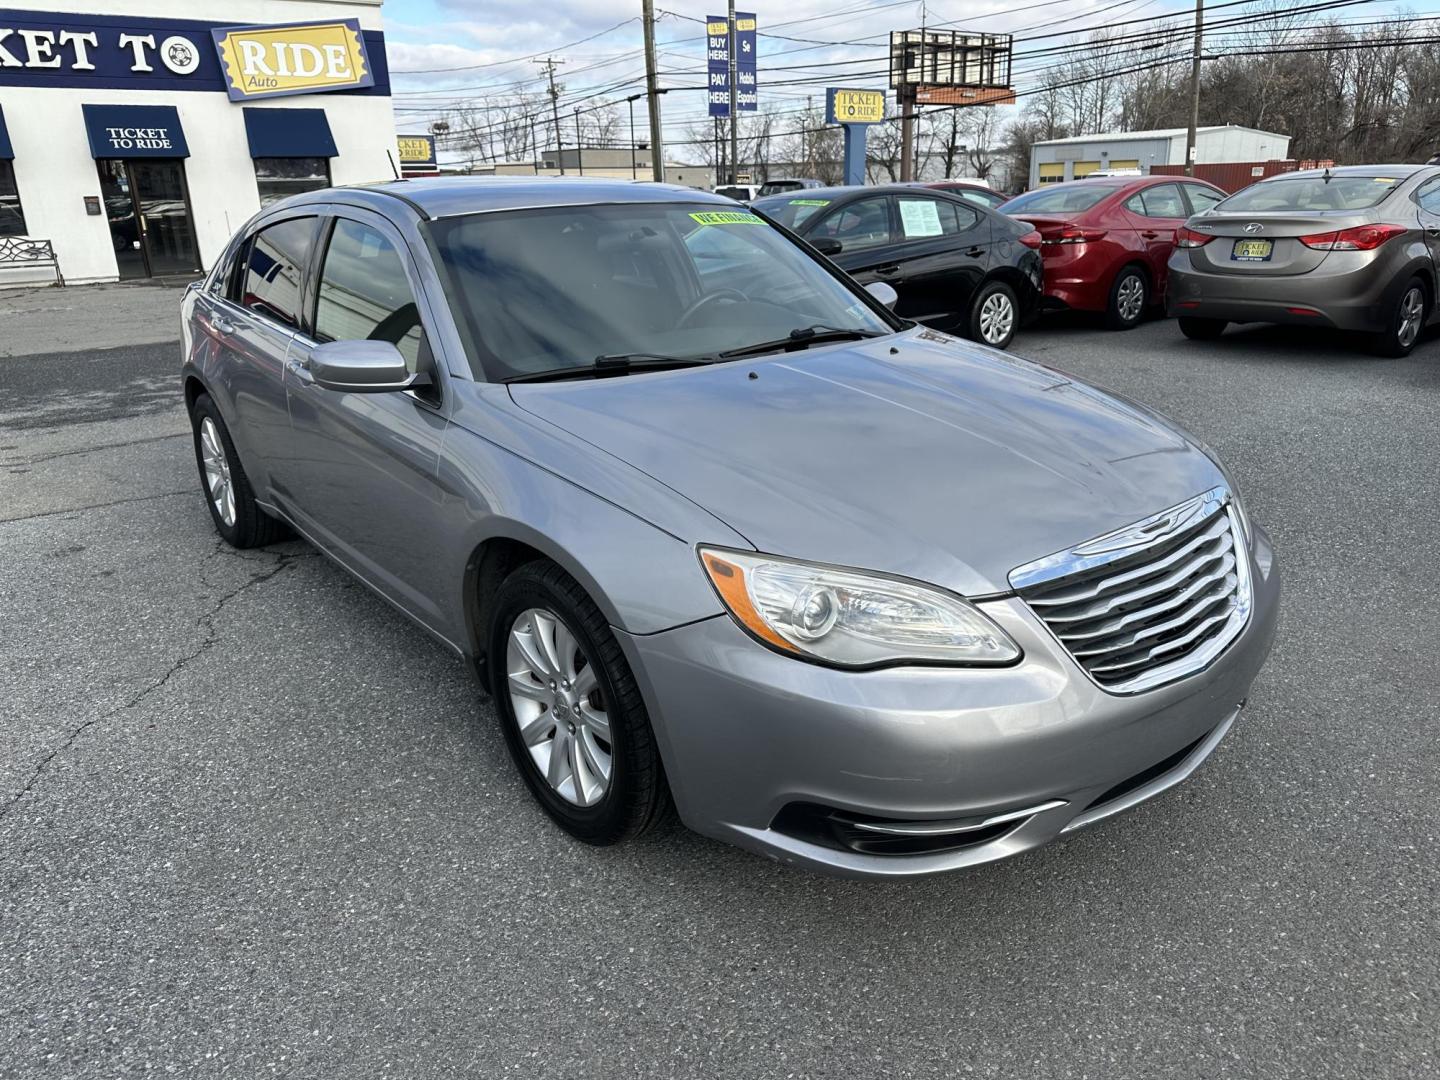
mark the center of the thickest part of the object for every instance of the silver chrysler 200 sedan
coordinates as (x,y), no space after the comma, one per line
(713,525)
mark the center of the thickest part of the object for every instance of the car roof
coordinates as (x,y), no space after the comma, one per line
(846,191)
(448,196)
(1399,172)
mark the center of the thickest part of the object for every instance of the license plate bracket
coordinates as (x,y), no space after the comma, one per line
(1252,250)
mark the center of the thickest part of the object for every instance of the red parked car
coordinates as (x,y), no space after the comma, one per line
(1106,241)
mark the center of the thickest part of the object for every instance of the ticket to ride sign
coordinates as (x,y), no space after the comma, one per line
(296,58)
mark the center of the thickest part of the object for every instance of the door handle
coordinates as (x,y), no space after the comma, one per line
(222,325)
(975,252)
(1149,235)
(888,271)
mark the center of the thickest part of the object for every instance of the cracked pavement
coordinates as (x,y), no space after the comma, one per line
(253,823)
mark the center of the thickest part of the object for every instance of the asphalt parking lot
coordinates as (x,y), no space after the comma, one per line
(253,823)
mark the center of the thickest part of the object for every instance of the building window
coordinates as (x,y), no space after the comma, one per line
(12,218)
(280,177)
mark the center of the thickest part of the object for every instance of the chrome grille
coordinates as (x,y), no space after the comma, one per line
(1149,603)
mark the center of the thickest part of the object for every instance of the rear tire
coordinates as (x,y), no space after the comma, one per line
(237,516)
(1129,296)
(1197,329)
(1407,322)
(994,315)
(570,710)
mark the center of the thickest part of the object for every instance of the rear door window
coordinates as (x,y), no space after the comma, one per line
(365,294)
(923,218)
(1161,201)
(272,280)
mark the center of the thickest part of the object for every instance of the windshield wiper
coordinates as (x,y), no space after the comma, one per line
(802,338)
(614,364)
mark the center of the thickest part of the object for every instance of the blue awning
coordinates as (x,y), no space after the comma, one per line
(289,133)
(6,150)
(135,131)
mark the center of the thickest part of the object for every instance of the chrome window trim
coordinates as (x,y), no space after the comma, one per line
(1133,539)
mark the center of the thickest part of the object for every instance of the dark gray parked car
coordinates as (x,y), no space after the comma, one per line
(1351,248)
(711,523)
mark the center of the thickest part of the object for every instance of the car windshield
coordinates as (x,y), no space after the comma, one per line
(554,288)
(1058,200)
(1305,193)
(793,212)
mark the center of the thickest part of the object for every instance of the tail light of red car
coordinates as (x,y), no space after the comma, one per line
(1031,239)
(1072,234)
(1360,238)
(1189,238)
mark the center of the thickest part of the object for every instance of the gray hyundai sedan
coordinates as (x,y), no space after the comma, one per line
(1350,248)
(717,529)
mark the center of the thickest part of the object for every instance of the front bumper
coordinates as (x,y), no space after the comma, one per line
(746,733)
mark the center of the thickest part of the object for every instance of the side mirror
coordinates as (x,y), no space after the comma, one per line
(827,245)
(361,367)
(884,292)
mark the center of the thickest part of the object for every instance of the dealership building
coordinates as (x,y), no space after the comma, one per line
(1056,160)
(137,136)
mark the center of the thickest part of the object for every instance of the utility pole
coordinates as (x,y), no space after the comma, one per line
(549,66)
(907,132)
(579,144)
(1190,149)
(652,91)
(631,102)
(734,102)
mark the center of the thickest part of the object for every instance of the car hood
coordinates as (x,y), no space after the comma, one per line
(917,455)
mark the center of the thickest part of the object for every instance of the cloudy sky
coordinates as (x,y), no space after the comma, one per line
(456,53)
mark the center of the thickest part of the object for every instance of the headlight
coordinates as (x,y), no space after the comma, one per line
(849,618)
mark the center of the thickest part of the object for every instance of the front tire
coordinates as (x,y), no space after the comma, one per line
(994,315)
(570,710)
(1197,329)
(1407,321)
(1129,295)
(237,516)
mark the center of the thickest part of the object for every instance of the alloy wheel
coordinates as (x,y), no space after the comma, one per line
(1412,314)
(1130,298)
(217,471)
(559,707)
(997,318)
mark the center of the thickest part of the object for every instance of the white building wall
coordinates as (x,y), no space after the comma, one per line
(54,170)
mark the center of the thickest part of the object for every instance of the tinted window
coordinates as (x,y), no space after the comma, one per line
(1429,196)
(1059,200)
(1305,193)
(1202,198)
(274,270)
(983,198)
(1161,201)
(862,224)
(279,177)
(921,218)
(12,218)
(364,294)
(536,290)
(774,187)
(793,213)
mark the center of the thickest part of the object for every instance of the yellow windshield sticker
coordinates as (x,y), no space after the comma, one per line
(809,202)
(726,217)
(1384,179)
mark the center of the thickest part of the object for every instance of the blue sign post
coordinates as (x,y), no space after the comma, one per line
(855,111)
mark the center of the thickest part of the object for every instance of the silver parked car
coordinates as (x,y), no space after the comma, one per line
(1351,248)
(711,523)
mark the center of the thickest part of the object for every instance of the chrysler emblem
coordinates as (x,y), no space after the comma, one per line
(1254,227)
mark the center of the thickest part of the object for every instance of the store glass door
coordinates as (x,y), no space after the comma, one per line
(149,212)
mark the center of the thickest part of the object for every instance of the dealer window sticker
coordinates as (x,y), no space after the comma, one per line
(920,217)
(725,217)
(809,202)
